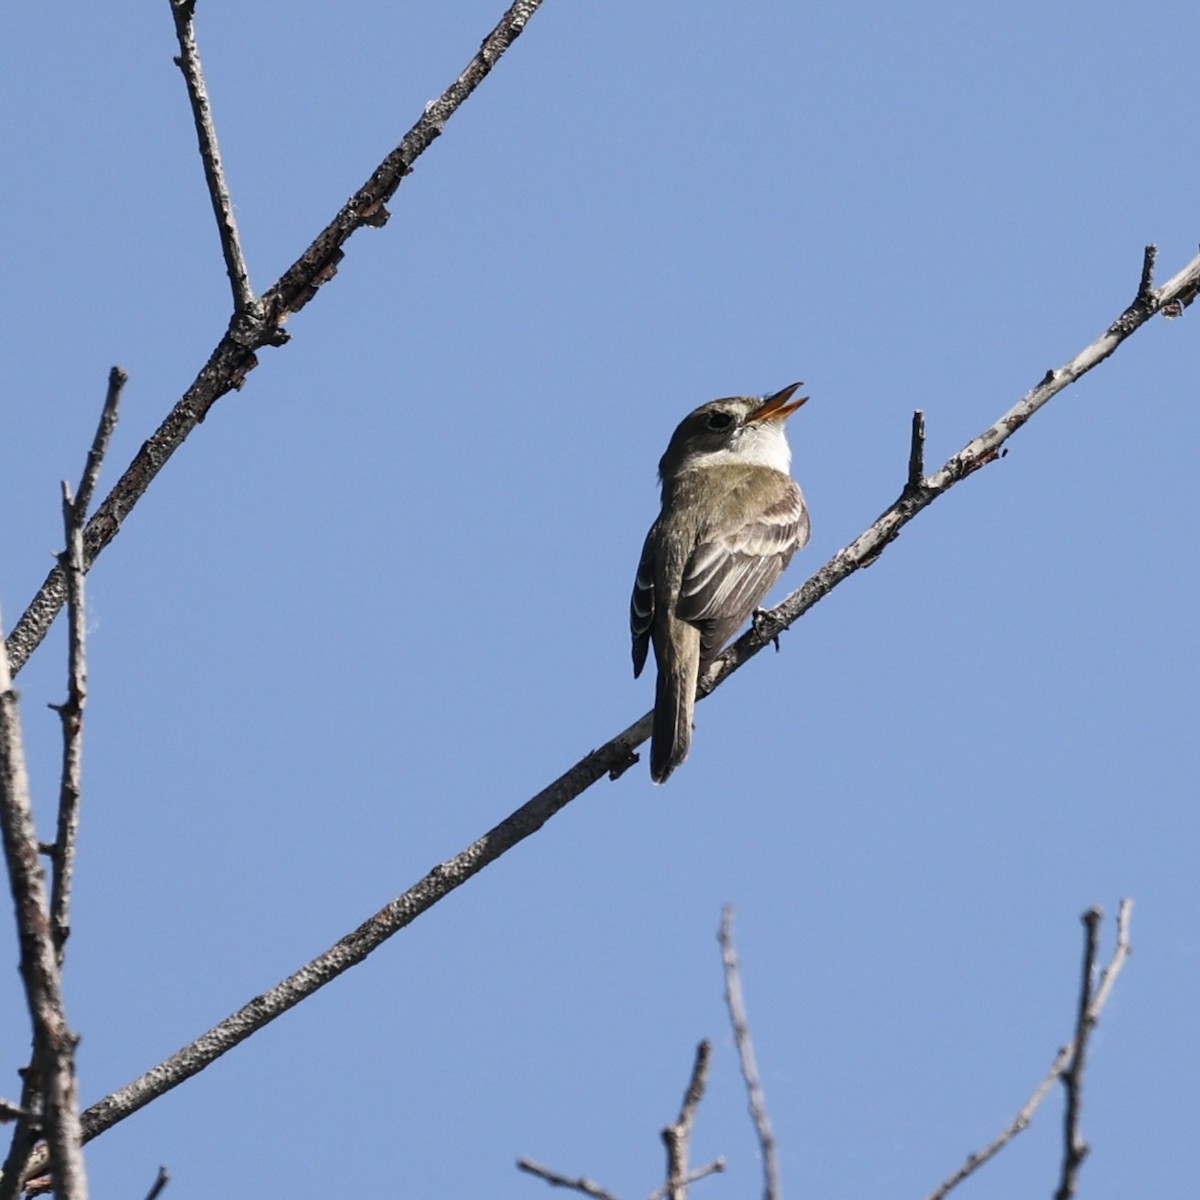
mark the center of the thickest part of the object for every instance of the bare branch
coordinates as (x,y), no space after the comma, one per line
(1074,1147)
(71,713)
(580,1184)
(978,453)
(1061,1060)
(117,379)
(234,356)
(713,1168)
(1145,290)
(677,1137)
(54,1043)
(916,452)
(745,1048)
(188,61)
(24,1137)
(612,758)
(160,1181)
(14,1112)
(1108,977)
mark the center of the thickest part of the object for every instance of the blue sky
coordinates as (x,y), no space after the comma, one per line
(379,598)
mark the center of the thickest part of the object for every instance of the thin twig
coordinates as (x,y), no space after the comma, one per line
(579,1184)
(713,1168)
(71,713)
(234,356)
(25,1133)
(612,758)
(1108,977)
(745,1047)
(1074,1147)
(1021,1122)
(916,452)
(188,62)
(54,1043)
(677,1136)
(14,1112)
(1146,283)
(118,377)
(160,1181)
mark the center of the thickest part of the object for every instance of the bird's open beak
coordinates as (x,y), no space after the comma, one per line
(776,407)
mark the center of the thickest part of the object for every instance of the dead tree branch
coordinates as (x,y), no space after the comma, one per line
(234,356)
(616,755)
(713,1168)
(1092,1004)
(62,852)
(579,1184)
(1181,290)
(160,1182)
(62,855)
(188,61)
(1074,1147)
(745,1048)
(53,1041)
(677,1137)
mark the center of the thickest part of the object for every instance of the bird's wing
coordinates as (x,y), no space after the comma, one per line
(641,607)
(731,570)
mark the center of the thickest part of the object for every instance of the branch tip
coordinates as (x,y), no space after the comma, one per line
(214,170)
(579,1184)
(755,1098)
(677,1136)
(916,453)
(160,1181)
(1145,292)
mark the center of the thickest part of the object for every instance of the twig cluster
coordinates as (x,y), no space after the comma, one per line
(1068,1066)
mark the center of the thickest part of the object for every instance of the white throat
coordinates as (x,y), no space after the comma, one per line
(761,444)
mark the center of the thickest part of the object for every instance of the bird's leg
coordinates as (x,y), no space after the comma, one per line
(762,621)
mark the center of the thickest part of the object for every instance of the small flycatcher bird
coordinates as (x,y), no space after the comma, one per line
(731,519)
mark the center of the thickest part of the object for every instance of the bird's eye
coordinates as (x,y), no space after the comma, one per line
(719,420)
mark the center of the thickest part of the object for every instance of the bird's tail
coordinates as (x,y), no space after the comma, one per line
(678,657)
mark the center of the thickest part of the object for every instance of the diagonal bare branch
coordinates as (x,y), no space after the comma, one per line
(617,754)
(1175,294)
(234,356)
(579,1183)
(160,1182)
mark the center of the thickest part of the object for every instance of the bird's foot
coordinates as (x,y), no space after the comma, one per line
(764,627)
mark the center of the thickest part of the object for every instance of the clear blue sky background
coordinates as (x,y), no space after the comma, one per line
(379,598)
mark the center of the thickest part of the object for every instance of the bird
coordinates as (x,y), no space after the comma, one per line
(731,519)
